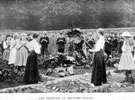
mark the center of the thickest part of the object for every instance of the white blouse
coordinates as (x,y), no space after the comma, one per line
(34,45)
(5,45)
(124,46)
(127,48)
(99,44)
(17,42)
(12,44)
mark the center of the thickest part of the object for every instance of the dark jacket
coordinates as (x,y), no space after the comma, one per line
(61,41)
(90,43)
(79,46)
(44,41)
(115,42)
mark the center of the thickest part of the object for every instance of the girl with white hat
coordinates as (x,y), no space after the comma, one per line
(126,61)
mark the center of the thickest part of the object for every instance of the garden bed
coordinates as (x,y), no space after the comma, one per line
(74,84)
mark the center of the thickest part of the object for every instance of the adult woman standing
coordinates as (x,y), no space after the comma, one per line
(126,61)
(99,70)
(31,75)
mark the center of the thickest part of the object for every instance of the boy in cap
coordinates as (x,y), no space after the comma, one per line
(44,41)
(61,41)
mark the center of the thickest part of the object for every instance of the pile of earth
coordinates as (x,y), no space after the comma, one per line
(75,84)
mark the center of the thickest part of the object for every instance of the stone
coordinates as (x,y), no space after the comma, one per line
(70,70)
(62,74)
(116,85)
(54,88)
(116,65)
(70,58)
(49,71)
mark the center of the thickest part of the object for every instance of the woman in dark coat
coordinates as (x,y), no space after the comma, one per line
(31,75)
(99,70)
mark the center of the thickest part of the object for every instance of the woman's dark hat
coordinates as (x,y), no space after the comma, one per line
(35,35)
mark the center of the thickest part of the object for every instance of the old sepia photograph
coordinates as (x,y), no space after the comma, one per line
(67,46)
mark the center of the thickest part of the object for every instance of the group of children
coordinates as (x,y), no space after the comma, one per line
(16,49)
(21,50)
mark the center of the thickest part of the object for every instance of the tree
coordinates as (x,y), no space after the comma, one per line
(64,14)
(18,16)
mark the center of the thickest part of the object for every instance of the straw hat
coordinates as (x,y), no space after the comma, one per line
(35,35)
(23,34)
(77,29)
(126,34)
(44,32)
(16,33)
(61,32)
(100,30)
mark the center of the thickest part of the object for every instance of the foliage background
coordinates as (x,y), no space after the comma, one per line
(65,14)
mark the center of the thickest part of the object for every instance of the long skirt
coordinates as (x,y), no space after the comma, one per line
(31,75)
(99,70)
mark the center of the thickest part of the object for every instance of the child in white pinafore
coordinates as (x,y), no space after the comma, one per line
(126,61)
